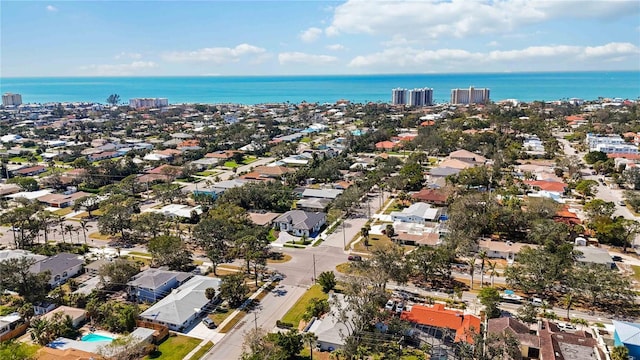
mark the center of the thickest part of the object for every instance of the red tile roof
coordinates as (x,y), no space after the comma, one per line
(437,316)
(547,185)
(624,156)
(574,118)
(387,145)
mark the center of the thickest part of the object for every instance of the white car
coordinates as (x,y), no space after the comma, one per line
(566,326)
(400,308)
(390,305)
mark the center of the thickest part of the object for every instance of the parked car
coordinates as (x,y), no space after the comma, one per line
(400,308)
(277,277)
(354,258)
(622,203)
(209,323)
(566,326)
(390,305)
(616,258)
(537,301)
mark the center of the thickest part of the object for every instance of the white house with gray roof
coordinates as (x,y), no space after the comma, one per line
(184,305)
(418,213)
(61,266)
(321,193)
(330,329)
(300,223)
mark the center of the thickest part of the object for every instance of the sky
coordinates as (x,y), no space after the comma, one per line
(211,38)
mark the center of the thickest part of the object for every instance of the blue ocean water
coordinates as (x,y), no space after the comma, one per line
(357,88)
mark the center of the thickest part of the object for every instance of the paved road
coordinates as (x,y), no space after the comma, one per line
(350,228)
(272,308)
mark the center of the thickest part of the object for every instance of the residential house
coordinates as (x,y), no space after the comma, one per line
(62,200)
(47,353)
(313,204)
(77,315)
(220,187)
(300,223)
(103,155)
(529,341)
(19,253)
(177,210)
(330,331)
(153,284)
(594,255)
(452,324)
(418,213)
(263,219)
(560,345)
(436,197)
(62,267)
(437,177)
(502,249)
(555,188)
(468,156)
(184,305)
(31,171)
(627,334)
(331,194)
(11,326)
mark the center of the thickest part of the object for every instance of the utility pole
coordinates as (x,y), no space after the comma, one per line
(255,320)
(314,268)
(344,237)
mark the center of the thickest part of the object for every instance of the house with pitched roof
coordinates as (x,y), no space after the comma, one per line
(529,342)
(62,267)
(184,305)
(300,223)
(456,325)
(153,284)
(627,334)
(417,213)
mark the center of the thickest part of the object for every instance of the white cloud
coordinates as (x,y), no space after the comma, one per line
(303,58)
(132,68)
(493,43)
(126,55)
(51,8)
(461,18)
(421,60)
(335,47)
(217,55)
(311,34)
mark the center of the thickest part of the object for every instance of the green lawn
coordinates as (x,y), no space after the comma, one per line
(64,211)
(203,350)
(294,315)
(305,140)
(636,272)
(249,159)
(231,164)
(174,348)
(138,253)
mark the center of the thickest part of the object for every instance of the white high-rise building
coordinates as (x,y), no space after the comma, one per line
(469,96)
(399,96)
(9,99)
(420,97)
(138,103)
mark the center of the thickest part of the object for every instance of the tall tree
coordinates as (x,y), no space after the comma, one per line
(117,212)
(113,99)
(170,251)
(490,298)
(233,289)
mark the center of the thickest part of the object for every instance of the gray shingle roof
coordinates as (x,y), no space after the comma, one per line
(153,278)
(301,219)
(57,263)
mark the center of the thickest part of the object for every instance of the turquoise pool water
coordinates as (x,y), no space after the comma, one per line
(96,337)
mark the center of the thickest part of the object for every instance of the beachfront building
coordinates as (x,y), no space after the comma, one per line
(9,99)
(139,103)
(399,96)
(420,97)
(469,96)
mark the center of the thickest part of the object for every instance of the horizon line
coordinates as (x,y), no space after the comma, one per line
(320,75)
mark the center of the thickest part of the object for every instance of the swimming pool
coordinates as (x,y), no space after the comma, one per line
(96,337)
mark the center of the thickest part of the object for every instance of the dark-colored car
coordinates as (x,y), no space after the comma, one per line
(209,323)
(616,258)
(354,258)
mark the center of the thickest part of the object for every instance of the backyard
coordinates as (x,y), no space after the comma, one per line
(174,348)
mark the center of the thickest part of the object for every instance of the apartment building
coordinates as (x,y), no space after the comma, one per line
(469,96)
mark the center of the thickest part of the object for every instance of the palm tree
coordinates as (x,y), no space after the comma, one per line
(40,331)
(84,226)
(472,264)
(492,270)
(364,231)
(482,256)
(60,221)
(70,229)
(311,338)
